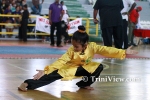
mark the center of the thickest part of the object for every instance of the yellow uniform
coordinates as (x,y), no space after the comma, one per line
(69,62)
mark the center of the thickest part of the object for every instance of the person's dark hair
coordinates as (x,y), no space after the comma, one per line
(61,2)
(81,36)
(6,6)
(25,6)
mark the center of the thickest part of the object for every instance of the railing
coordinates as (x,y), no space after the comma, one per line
(34,16)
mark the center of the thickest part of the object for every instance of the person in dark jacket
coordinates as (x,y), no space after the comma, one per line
(110,21)
(24,23)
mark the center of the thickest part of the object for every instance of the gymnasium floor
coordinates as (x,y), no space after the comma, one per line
(120,80)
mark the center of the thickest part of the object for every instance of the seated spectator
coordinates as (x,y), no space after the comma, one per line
(13,6)
(19,2)
(8,2)
(0,17)
(37,6)
(21,8)
(17,12)
(3,5)
(9,20)
(24,2)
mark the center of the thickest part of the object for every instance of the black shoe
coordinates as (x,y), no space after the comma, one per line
(59,46)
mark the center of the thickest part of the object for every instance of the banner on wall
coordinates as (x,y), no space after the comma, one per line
(73,25)
(42,24)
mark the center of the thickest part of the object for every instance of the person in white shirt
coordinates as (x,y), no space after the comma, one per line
(64,7)
(64,26)
(129,5)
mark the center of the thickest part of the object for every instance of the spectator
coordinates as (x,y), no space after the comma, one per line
(64,7)
(21,9)
(3,6)
(64,26)
(55,15)
(24,2)
(133,20)
(110,21)
(13,6)
(17,12)
(24,23)
(37,6)
(0,17)
(7,2)
(19,2)
(125,11)
(9,20)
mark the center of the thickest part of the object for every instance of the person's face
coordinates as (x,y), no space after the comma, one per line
(8,7)
(63,12)
(20,7)
(77,46)
(138,10)
(17,8)
(57,1)
(3,2)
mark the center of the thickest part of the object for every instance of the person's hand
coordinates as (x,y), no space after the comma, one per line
(130,51)
(95,21)
(39,74)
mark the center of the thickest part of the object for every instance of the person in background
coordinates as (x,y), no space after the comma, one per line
(129,5)
(37,6)
(133,20)
(13,6)
(17,12)
(9,20)
(19,2)
(64,7)
(3,6)
(110,21)
(24,23)
(64,27)
(24,2)
(1,12)
(55,16)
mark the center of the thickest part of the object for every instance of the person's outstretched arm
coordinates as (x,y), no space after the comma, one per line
(111,51)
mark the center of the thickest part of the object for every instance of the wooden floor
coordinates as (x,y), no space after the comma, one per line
(120,80)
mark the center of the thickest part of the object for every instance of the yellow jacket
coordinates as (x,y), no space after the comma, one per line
(70,61)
